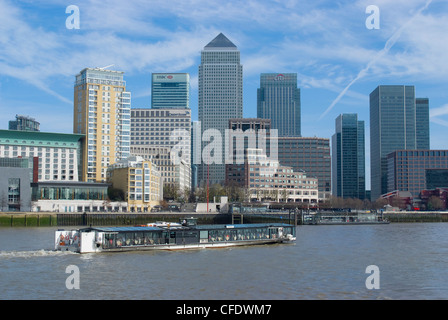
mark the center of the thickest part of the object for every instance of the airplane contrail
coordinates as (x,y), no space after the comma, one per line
(389,43)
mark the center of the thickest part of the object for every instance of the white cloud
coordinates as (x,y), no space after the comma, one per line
(326,43)
(435,115)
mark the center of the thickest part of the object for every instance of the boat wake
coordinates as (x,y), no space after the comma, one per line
(33,253)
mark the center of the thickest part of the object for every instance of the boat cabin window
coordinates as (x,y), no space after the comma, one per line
(203,234)
(239,234)
(123,239)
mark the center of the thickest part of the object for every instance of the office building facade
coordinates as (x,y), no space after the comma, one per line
(243,134)
(176,175)
(309,155)
(220,99)
(278,99)
(16,175)
(170,90)
(416,170)
(164,137)
(348,158)
(102,112)
(59,155)
(422,123)
(268,180)
(396,123)
(139,180)
(73,196)
(248,133)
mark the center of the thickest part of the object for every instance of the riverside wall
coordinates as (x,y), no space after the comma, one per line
(50,219)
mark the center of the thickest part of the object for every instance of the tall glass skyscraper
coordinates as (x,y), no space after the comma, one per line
(422,122)
(397,122)
(170,90)
(278,99)
(220,98)
(348,158)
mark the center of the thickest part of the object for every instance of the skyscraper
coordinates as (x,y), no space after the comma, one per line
(422,122)
(348,158)
(102,111)
(278,99)
(220,99)
(170,90)
(397,122)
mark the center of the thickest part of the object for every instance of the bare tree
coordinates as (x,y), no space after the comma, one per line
(435,203)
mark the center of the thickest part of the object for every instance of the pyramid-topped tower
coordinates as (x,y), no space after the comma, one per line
(220,41)
(220,99)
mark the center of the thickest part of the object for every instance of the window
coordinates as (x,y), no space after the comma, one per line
(14,194)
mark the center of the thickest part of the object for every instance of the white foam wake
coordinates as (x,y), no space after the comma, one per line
(30,254)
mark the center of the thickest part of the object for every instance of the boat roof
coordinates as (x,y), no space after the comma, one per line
(241,226)
(198,227)
(124,229)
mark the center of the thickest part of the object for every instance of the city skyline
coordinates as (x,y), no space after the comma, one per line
(328,46)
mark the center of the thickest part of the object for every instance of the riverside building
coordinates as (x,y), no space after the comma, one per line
(16,174)
(398,121)
(267,180)
(311,155)
(140,182)
(417,170)
(102,112)
(58,155)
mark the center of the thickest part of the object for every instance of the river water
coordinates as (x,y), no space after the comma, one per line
(327,262)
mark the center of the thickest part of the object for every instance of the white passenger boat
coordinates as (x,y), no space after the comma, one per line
(171,236)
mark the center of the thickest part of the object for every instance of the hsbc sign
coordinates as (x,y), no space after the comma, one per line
(159,76)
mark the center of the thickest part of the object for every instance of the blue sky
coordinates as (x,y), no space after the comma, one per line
(338,60)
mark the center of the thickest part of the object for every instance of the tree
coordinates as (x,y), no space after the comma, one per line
(234,192)
(115,194)
(170,192)
(380,203)
(435,203)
